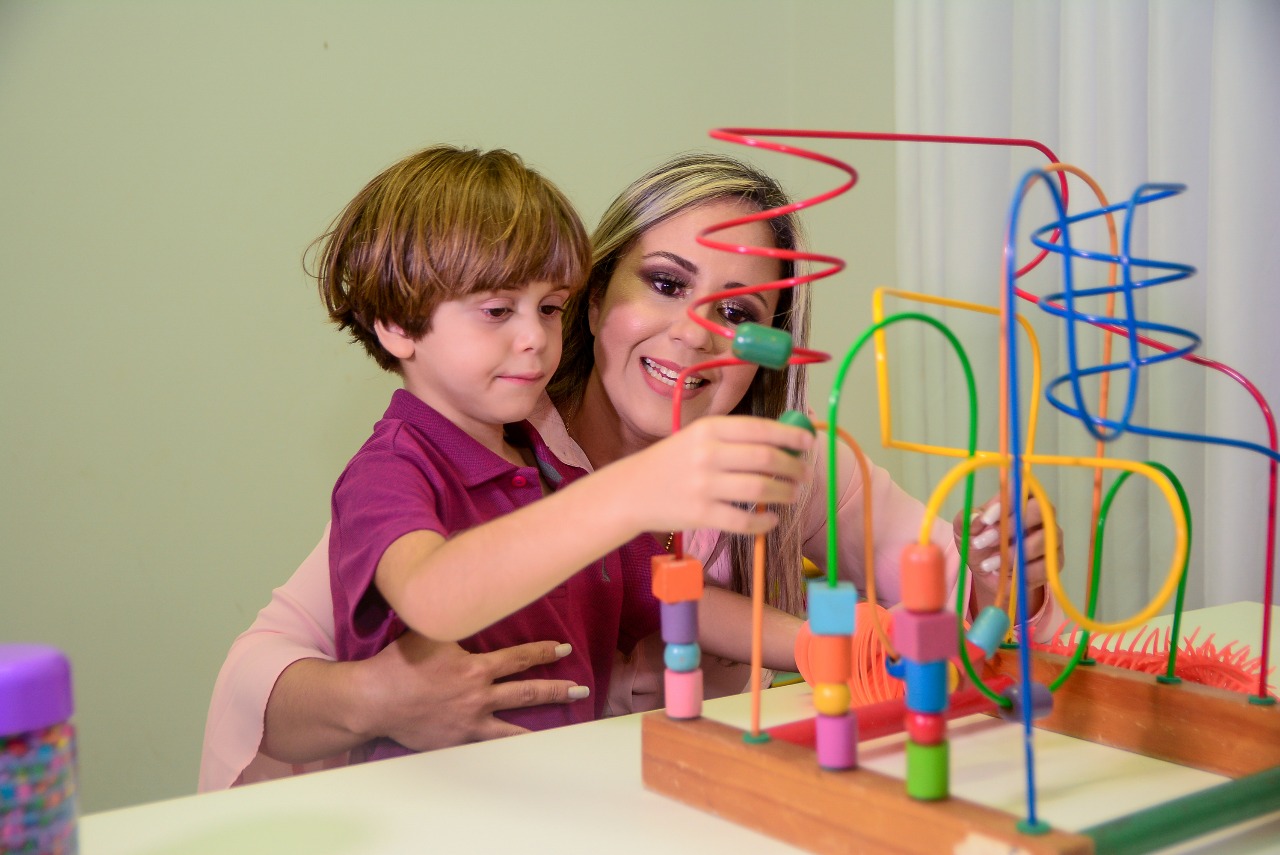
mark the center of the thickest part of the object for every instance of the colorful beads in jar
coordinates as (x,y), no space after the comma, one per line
(38,805)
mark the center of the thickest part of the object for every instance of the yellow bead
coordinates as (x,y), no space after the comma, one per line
(831,698)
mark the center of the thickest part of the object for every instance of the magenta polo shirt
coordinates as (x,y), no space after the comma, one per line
(420,471)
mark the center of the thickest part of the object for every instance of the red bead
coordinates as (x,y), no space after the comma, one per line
(926,728)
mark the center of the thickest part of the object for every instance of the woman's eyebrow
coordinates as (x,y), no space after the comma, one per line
(675,259)
(692,268)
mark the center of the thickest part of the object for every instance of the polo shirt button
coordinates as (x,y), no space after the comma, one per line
(519,481)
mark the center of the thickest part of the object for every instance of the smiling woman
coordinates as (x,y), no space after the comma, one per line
(626,335)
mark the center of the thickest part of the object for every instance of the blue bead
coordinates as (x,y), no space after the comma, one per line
(926,686)
(989,629)
(682,657)
(832,610)
(1041,701)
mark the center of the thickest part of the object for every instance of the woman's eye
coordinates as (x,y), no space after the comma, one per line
(737,313)
(668,285)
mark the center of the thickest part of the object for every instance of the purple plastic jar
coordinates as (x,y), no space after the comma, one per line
(38,806)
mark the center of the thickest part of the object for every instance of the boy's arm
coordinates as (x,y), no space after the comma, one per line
(724,630)
(451,589)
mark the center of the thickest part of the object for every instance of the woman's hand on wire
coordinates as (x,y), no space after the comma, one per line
(985,554)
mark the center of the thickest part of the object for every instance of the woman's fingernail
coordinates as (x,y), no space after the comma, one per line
(577,693)
(990,565)
(991,514)
(987,538)
(563,650)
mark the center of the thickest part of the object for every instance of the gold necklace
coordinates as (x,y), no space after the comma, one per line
(670,539)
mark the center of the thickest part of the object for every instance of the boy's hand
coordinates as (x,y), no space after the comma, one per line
(716,471)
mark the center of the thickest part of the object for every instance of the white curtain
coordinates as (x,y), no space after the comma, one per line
(1130,91)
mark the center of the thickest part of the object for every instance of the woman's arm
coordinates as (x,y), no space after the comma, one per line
(279,696)
(724,630)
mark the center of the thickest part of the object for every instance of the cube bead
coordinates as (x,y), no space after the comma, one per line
(676,580)
(926,636)
(831,610)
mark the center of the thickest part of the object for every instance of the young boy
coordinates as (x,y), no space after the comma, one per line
(451,268)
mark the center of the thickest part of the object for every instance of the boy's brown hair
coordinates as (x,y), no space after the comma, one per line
(439,225)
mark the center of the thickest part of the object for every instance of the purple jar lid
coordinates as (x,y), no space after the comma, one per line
(35,687)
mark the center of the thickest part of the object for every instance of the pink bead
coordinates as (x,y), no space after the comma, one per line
(926,636)
(837,741)
(926,728)
(684,693)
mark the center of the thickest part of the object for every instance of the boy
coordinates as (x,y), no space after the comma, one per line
(451,268)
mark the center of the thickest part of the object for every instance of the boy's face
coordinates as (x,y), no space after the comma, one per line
(488,356)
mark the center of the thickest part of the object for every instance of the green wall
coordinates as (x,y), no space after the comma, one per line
(173,407)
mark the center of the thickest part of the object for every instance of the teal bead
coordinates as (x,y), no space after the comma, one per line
(761,345)
(989,629)
(682,657)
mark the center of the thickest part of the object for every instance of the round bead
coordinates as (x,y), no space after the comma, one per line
(761,345)
(1041,701)
(926,728)
(831,698)
(989,629)
(682,657)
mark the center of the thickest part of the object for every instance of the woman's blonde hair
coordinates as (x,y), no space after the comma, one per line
(681,184)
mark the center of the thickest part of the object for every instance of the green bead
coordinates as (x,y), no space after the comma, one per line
(761,345)
(928,771)
(795,418)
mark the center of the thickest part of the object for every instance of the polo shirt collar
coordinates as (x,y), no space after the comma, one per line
(479,464)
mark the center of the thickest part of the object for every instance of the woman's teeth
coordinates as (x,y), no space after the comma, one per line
(666,375)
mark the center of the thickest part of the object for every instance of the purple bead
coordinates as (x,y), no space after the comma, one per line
(680,622)
(1041,701)
(836,738)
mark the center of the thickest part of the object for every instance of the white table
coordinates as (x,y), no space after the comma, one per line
(578,789)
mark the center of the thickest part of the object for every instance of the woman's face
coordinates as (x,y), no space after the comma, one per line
(644,336)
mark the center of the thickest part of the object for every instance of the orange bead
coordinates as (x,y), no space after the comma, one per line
(924,578)
(830,658)
(676,580)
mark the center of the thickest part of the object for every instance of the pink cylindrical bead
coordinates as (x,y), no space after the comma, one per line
(684,693)
(836,738)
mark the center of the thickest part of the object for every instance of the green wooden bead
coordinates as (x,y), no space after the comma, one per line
(795,418)
(761,345)
(928,771)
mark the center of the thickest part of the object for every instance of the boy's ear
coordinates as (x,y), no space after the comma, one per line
(394,340)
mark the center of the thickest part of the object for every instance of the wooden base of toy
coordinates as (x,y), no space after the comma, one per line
(1186,723)
(777,788)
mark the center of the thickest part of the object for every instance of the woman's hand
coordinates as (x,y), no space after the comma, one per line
(984,553)
(424,694)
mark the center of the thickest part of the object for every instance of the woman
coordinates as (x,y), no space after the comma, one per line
(626,338)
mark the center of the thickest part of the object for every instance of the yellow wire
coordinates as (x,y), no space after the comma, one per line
(1154,475)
